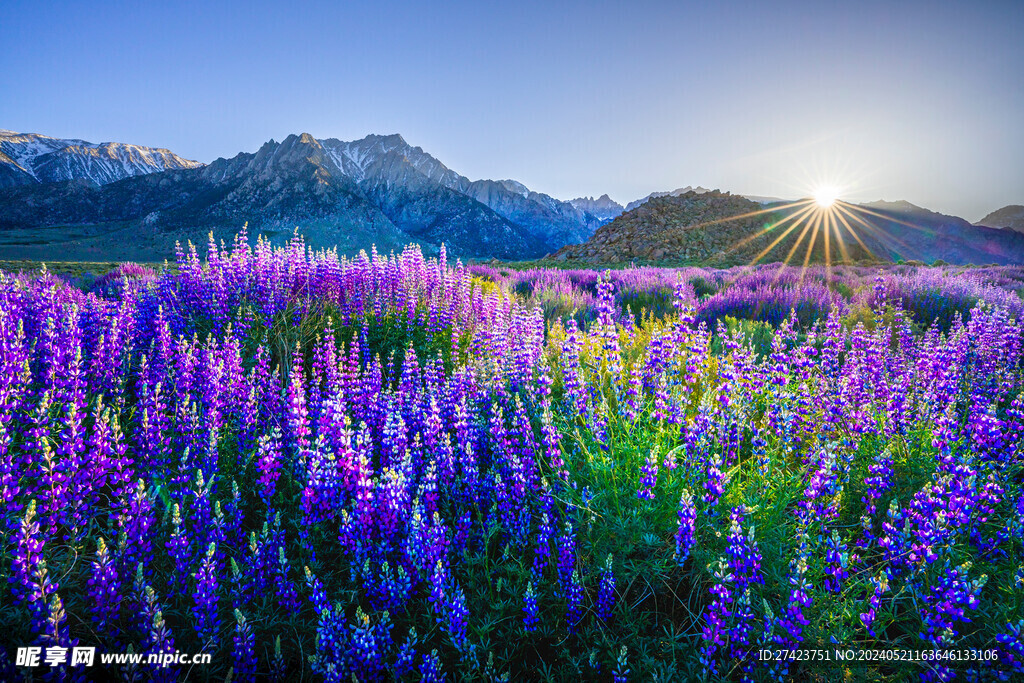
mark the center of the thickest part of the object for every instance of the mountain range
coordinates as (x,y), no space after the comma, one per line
(77,200)
(134,202)
(29,158)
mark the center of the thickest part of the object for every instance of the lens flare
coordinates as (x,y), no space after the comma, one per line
(823,227)
(826,196)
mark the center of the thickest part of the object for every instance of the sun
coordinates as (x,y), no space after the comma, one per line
(826,196)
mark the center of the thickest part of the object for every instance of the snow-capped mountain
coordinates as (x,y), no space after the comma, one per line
(377,155)
(377,190)
(381,163)
(27,158)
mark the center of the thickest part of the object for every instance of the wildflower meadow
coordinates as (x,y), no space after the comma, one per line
(399,468)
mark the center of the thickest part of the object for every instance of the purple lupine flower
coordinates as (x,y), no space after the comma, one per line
(387,588)
(793,619)
(317,593)
(566,556)
(823,486)
(574,609)
(1011,641)
(298,414)
(606,595)
(54,499)
(879,586)
(573,384)
(180,550)
(551,447)
(104,589)
(896,539)
(686,533)
(134,521)
(284,588)
(745,565)
(716,616)
(946,603)
(431,670)
(159,639)
(10,485)
(242,583)
(878,484)
(439,586)
(368,645)
(649,478)
(662,399)
(269,464)
(632,398)
(760,454)
(545,532)
(278,668)
(77,481)
(30,579)
(198,507)
(429,492)
(244,656)
(405,658)
(714,483)
(449,604)
(57,635)
(620,674)
(332,658)
(207,621)
(671,460)
(456,618)
(531,616)
(837,560)
(229,518)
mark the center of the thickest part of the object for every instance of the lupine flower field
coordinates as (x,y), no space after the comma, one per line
(400,468)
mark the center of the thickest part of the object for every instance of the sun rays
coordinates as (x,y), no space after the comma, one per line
(822,228)
(840,231)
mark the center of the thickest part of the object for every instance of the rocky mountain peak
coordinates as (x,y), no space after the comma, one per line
(1007,218)
(515,186)
(679,191)
(604,207)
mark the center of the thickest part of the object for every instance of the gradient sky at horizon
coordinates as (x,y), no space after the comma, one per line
(916,100)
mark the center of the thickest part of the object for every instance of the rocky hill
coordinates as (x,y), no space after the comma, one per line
(717,228)
(1009,217)
(693,227)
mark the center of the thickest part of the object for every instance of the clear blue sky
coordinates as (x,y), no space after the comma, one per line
(912,100)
